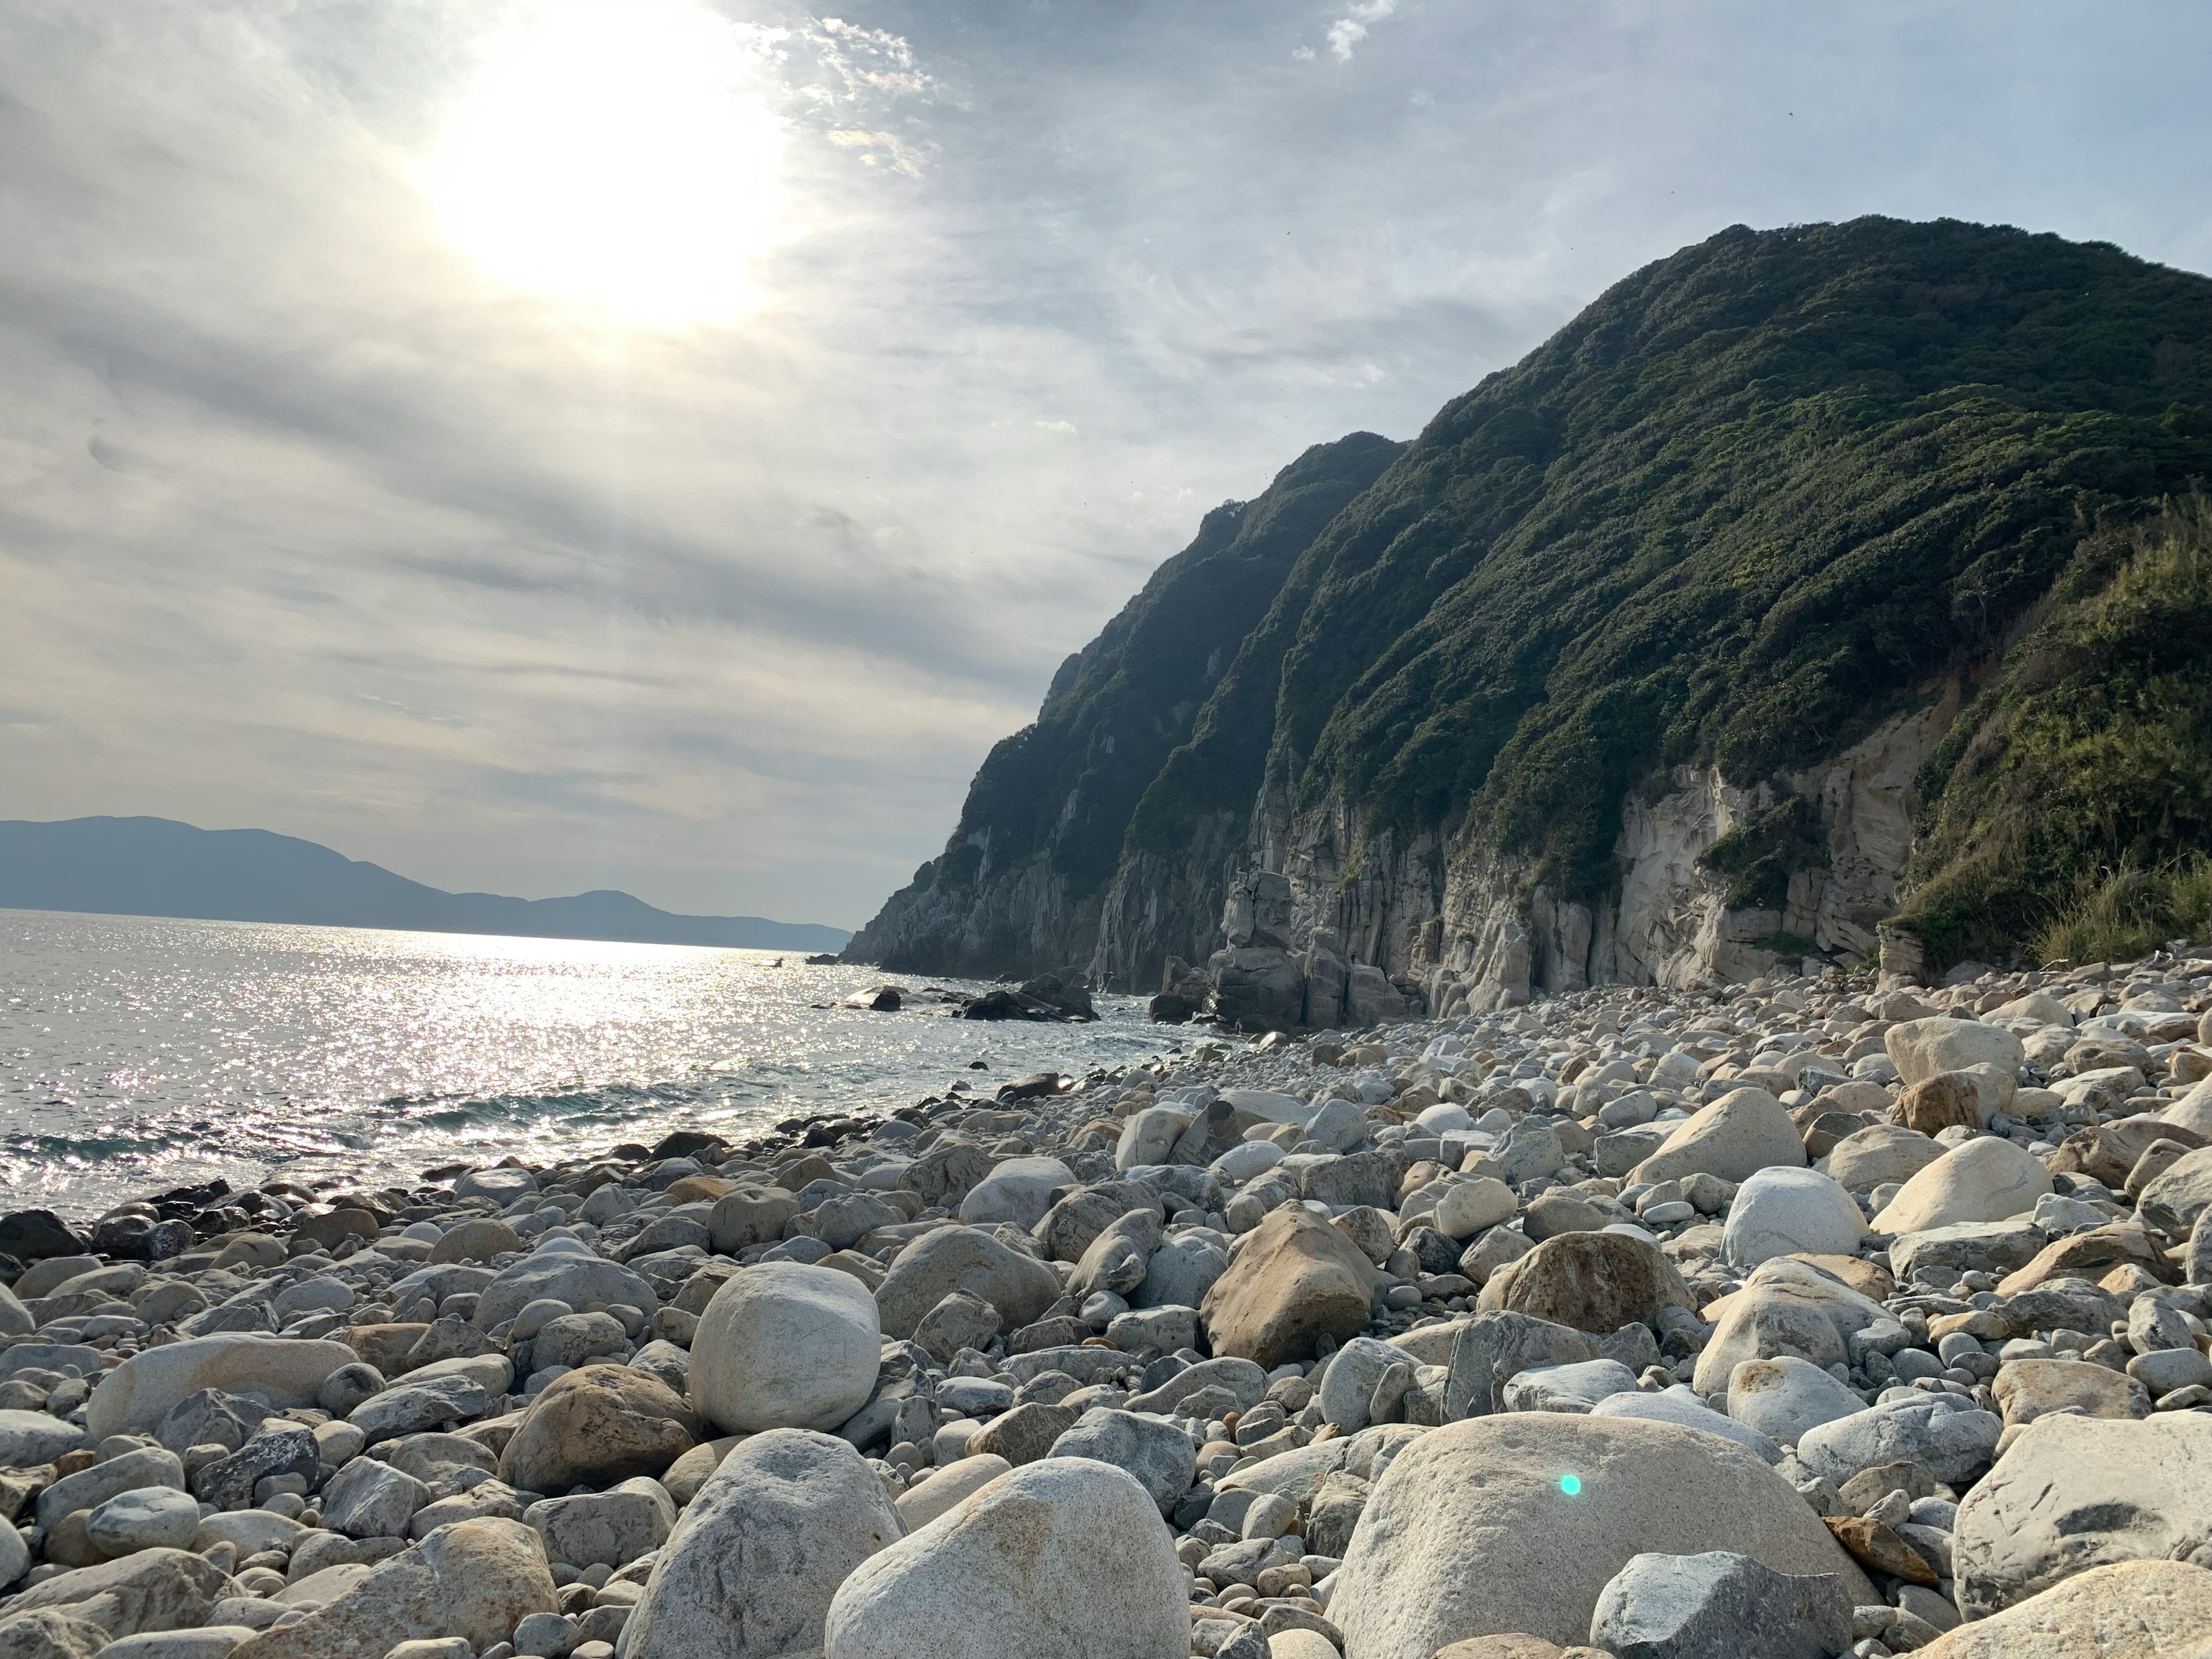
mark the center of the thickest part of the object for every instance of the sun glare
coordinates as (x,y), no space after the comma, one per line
(617,153)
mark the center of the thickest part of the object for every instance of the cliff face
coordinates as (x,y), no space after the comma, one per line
(1637,664)
(1020,886)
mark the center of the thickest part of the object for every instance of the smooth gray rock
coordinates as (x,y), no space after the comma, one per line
(1949,1437)
(611,1528)
(750,1570)
(413,1408)
(558,1276)
(1180,1273)
(1517,1522)
(1120,1257)
(1784,1397)
(30,1438)
(153,1517)
(951,1259)
(1679,1405)
(1063,1557)
(1492,1348)
(1576,1387)
(1154,1450)
(1348,1385)
(1017,1192)
(369,1499)
(2075,1492)
(962,1320)
(88,1489)
(1718,1605)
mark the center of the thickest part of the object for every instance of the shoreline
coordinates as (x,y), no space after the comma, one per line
(1240,1284)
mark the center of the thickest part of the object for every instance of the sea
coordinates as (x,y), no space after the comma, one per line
(138,1054)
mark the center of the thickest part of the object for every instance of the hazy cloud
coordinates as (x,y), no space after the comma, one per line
(323,509)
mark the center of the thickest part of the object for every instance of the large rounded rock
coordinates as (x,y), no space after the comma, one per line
(1017,1192)
(1062,1556)
(951,1259)
(2180,1194)
(153,1517)
(1945,1434)
(1469,1207)
(1921,1048)
(1512,1524)
(1787,1306)
(30,1438)
(152,1590)
(1791,1212)
(572,1275)
(751,1569)
(1879,1155)
(477,1240)
(134,1397)
(784,1347)
(1296,1281)
(1593,1282)
(1784,1398)
(1987,1179)
(474,1579)
(2132,1610)
(1745,1131)
(2076,1493)
(1157,1454)
(598,1425)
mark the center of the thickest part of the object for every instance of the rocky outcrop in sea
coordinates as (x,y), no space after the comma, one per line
(1799,1318)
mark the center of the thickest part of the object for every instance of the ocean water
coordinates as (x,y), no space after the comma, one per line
(138,1054)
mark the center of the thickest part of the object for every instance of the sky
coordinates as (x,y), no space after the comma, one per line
(543,444)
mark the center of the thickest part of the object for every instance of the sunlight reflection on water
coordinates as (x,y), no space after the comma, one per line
(139,1053)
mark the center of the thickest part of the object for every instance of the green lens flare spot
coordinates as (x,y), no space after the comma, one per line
(1571,1484)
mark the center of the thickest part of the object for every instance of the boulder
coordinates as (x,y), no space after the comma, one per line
(1063,1557)
(2130,1610)
(961,1320)
(1921,1048)
(478,1239)
(595,1426)
(1745,1131)
(1017,1192)
(1118,1257)
(154,1589)
(1987,1179)
(30,1438)
(153,1517)
(1719,1604)
(922,1505)
(1880,1154)
(1180,1273)
(1998,1247)
(1680,1406)
(951,1259)
(2075,1492)
(558,1275)
(1947,1435)
(784,1346)
(1789,1212)
(1576,1387)
(1777,1316)
(1784,1397)
(1493,1348)
(132,1471)
(1151,1449)
(748,1216)
(2172,1202)
(1555,1507)
(474,1579)
(1468,1207)
(1296,1281)
(1148,1136)
(2026,1389)
(134,1397)
(1595,1282)
(752,1568)
(48,1635)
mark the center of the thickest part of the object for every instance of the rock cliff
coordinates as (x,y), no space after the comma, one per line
(1636,665)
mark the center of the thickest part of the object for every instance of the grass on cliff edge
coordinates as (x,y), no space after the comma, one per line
(2070,806)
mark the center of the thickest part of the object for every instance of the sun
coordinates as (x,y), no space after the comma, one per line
(618,153)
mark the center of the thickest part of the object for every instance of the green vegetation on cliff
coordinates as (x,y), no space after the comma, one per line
(2070,804)
(1755,500)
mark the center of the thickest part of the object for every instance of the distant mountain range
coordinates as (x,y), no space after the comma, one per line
(158,867)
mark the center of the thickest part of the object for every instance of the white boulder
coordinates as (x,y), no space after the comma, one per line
(784,1346)
(1781,1211)
(1986,1179)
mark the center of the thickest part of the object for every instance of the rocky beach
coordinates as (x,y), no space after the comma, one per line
(1803,1317)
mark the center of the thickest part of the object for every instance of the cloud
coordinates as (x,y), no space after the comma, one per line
(309,521)
(1350,30)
